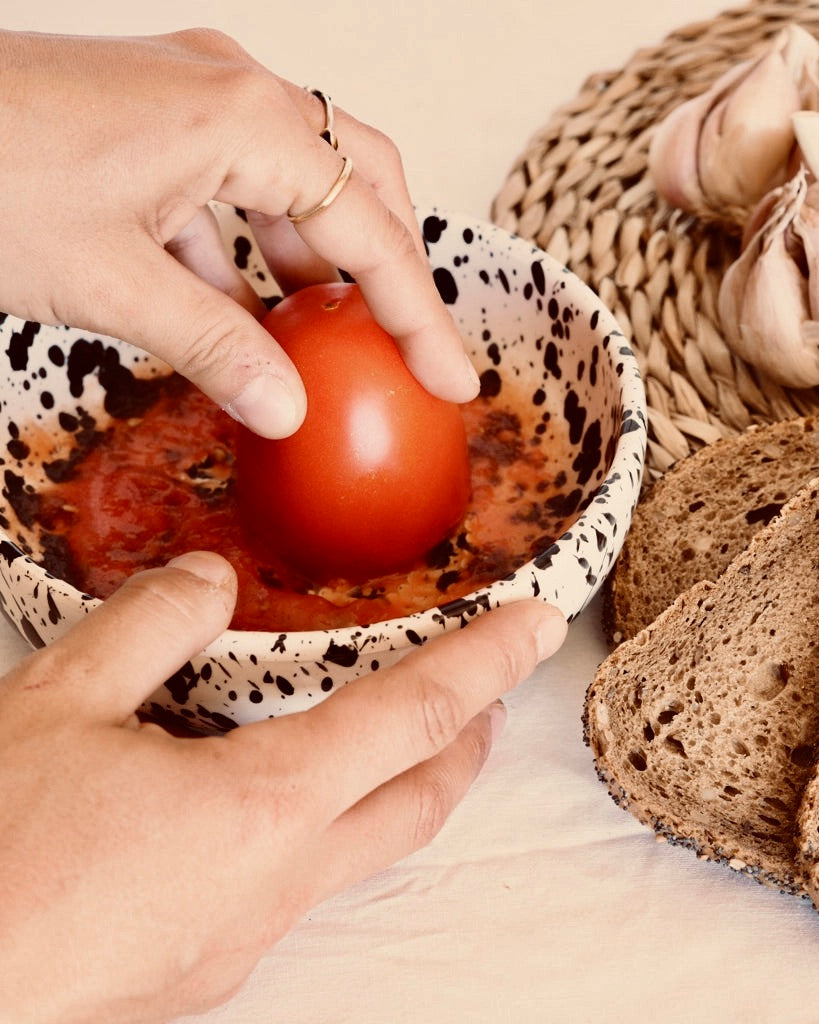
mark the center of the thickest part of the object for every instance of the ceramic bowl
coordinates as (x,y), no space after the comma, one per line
(524,318)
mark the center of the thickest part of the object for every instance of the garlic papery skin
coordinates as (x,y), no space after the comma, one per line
(719,153)
(806,132)
(764,301)
(806,229)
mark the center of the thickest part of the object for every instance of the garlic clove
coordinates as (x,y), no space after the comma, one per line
(806,230)
(805,125)
(719,153)
(672,157)
(765,298)
(799,51)
(746,139)
(775,328)
(674,148)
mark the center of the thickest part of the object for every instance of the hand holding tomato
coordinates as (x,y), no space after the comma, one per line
(377,474)
(119,147)
(142,875)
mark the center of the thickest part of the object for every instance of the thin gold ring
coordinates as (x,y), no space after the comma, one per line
(335,191)
(328,131)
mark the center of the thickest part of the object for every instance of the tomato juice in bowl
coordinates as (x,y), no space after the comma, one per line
(542,343)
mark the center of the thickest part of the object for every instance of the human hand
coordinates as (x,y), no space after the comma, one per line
(119,146)
(142,875)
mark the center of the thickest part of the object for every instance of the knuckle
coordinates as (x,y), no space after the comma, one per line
(210,350)
(168,597)
(512,661)
(443,781)
(262,807)
(433,806)
(394,243)
(382,152)
(208,41)
(403,244)
(440,716)
(388,153)
(478,744)
(268,801)
(254,91)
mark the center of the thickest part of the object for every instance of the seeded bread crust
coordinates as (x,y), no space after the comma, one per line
(705,725)
(807,839)
(701,514)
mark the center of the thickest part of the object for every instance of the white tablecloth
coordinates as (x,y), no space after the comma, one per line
(540,901)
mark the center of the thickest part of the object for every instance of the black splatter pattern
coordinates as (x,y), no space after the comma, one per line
(527,322)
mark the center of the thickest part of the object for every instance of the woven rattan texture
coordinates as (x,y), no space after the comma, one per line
(582,192)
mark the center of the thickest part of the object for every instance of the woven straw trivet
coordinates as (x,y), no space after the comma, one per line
(581,191)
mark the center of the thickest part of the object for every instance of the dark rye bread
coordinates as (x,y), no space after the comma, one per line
(705,725)
(700,514)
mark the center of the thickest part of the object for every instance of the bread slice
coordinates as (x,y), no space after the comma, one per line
(704,511)
(705,725)
(807,839)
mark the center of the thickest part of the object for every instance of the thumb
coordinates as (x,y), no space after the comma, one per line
(209,338)
(107,664)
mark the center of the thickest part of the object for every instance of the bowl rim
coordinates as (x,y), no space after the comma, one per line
(386,635)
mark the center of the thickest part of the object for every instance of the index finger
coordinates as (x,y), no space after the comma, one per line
(361,234)
(386,723)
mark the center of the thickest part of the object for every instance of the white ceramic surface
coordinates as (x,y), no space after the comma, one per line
(528,323)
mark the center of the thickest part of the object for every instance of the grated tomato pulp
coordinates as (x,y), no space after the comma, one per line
(154,486)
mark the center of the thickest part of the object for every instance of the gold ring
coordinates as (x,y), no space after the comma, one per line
(335,191)
(328,131)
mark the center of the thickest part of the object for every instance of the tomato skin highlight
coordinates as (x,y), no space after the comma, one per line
(379,471)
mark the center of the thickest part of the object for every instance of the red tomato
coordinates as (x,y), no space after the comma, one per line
(377,474)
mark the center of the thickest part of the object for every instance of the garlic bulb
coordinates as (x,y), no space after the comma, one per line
(718,154)
(769,297)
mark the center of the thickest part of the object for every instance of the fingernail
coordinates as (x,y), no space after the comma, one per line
(472,374)
(497,718)
(268,407)
(550,633)
(207,565)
